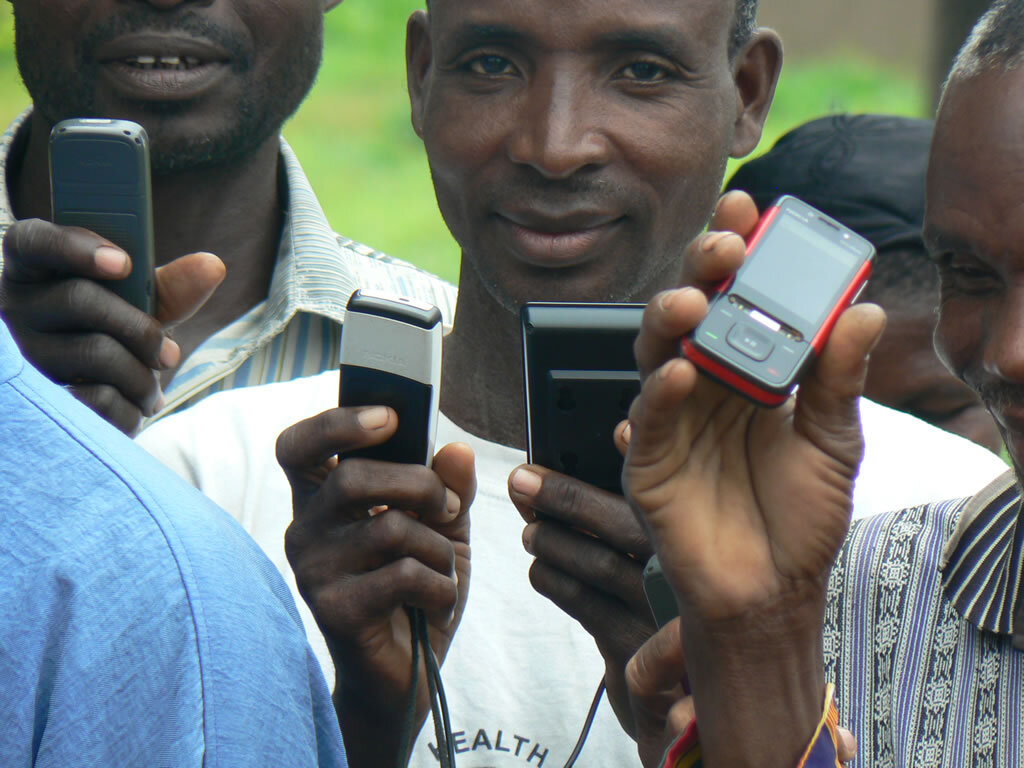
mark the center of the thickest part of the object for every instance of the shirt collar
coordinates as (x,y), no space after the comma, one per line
(983,560)
(6,145)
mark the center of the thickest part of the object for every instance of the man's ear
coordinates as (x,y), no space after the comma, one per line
(756,73)
(418,60)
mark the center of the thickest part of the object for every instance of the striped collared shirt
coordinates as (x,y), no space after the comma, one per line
(296,332)
(919,633)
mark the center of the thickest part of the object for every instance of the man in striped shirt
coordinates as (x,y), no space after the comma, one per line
(923,613)
(212,83)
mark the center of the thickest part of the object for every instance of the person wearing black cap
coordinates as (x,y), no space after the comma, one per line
(868,171)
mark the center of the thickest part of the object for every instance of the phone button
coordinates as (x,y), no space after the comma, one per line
(750,342)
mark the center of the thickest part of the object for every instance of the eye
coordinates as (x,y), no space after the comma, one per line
(490,65)
(965,274)
(645,72)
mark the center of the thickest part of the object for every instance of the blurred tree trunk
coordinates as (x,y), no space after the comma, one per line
(953,22)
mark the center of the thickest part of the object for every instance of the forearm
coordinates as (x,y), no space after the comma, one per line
(758,684)
(372,739)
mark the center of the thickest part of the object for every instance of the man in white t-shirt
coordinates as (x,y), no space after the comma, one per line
(553,135)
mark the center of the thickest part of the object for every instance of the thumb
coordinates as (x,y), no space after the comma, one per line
(827,408)
(455,464)
(184,285)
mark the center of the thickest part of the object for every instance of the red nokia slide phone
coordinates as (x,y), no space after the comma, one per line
(765,326)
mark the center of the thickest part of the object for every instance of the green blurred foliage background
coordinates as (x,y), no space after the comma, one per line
(368,167)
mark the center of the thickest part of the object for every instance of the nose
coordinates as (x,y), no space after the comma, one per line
(556,131)
(1004,338)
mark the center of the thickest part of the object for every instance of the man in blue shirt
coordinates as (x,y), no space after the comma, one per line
(139,625)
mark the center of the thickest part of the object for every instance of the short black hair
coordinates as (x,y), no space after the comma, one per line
(743,26)
(996,42)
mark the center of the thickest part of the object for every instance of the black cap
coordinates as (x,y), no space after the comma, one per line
(866,171)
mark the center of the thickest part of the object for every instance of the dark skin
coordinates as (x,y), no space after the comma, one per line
(907,375)
(358,569)
(972,226)
(973,231)
(223,199)
(747,508)
(572,160)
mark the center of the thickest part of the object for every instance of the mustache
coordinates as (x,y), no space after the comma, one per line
(997,395)
(530,189)
(187,23)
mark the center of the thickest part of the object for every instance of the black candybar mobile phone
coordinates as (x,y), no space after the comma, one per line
(580,378)
(100,180)
(391,355)
(766,326)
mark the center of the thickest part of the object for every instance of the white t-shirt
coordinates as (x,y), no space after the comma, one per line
(520,674)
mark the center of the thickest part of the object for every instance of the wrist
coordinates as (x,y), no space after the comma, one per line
(372,738)
(758,680)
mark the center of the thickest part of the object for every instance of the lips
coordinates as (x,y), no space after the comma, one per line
(162,68)
(562,240)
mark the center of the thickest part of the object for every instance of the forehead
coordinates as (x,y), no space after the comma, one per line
(976,172)
(575,24)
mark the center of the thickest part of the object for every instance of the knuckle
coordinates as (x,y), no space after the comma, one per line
(407,572)
(390,531)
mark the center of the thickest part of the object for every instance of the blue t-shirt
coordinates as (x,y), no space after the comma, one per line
(139,624)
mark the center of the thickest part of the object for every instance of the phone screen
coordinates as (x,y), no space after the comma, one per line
(802,270)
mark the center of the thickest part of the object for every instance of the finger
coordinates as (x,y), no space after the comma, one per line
(455,464)
(682,713)
(78,305)
(617,629)
(621,436)
(94,358)
(716,255)
(324,548)
(658,442)
(110,405)
(847,745)
(36,250)
(827,409)
(359,485)
(658,665)
(184,285)
(667,318)
(578,505)
(303,448)
(589,561)
(345,607)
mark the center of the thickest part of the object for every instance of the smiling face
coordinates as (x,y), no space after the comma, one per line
(209,81)
(577,147)
(974,227)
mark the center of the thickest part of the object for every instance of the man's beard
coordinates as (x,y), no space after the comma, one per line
(257,115)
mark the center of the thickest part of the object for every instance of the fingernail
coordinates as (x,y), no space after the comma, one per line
(158,405)
(452,502)
(170,353)
(526,482)
(627,434)
(528,532)
(712,240)
(111,260)
(373,418)
(668,299)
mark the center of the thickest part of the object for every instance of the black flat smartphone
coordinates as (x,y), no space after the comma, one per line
(660,597)
(100,181)
(391,355)
(580,380)
(766,326)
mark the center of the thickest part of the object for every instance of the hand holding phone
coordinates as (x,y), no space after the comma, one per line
(580,379)
(391,355)
(765,326)
(100,181)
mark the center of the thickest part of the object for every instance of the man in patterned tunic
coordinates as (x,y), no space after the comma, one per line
(923,617)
